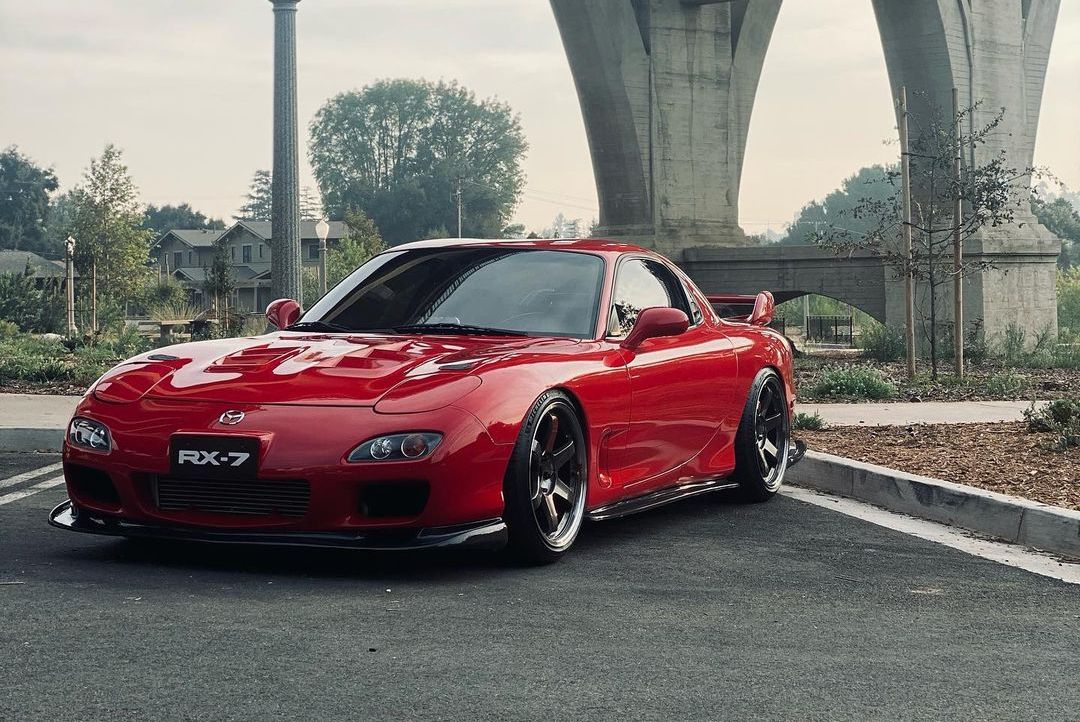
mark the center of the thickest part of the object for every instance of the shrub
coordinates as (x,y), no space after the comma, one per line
(1061,417)
(23,304)
(1068,297)
(1007,383)
(882,343)
(856,382)
(1012,350)
(808,422)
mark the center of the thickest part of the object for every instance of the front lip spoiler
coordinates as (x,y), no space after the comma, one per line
(489,534)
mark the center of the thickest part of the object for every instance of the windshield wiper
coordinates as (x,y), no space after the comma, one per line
(456,328)
(319,326)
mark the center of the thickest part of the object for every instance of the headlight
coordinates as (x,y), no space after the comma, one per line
(89,434)
(397,447)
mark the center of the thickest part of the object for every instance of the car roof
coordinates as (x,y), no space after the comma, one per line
(591,245)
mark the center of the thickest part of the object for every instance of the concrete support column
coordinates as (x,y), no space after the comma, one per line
(285,214)
(994,52)
(667,89)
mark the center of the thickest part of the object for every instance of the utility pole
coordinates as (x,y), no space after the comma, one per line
(958,243)
(457,192)
(285,263)
(69,266)
(909,269)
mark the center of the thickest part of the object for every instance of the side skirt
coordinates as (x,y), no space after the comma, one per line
(638,504)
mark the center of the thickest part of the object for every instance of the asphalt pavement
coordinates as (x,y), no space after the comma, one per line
(705,609)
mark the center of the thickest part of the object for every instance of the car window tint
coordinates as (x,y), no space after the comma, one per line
(637,287)
(534,292)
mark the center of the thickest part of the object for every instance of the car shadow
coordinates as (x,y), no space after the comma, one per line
(596,541)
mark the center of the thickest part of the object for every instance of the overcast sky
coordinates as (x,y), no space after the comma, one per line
(184,87)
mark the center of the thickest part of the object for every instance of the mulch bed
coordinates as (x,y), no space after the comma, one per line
(1005,458)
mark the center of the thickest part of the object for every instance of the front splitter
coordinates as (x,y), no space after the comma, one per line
(489,534)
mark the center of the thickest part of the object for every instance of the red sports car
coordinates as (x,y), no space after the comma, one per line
(446,393)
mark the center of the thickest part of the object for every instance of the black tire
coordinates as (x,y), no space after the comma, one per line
(762,441)
(546,481)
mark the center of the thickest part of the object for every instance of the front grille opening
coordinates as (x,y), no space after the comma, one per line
(91,485)
(288,498)
(399,499)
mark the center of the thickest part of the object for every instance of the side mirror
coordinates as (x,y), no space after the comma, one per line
(764,309)
(283,312)
(656,323)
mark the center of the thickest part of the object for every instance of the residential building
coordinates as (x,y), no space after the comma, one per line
(187,256)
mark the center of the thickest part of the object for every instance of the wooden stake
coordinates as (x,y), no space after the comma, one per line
(909,270)
(958,246)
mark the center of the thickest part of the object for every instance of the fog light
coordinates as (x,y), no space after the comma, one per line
(89,434)
(397,447)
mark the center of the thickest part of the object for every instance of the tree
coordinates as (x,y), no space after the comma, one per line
(401,150)
(1062,219)
(24,203)
(360,243)
(111,246)
(30,308)
(162,219)
(311,207)
(220,282)
(259,201)
(864,187)
(992,193)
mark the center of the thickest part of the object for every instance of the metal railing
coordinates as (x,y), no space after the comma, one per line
(830,329)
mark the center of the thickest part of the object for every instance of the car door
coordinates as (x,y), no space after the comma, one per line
(674,389)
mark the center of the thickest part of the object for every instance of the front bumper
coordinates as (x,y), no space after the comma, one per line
(490,534)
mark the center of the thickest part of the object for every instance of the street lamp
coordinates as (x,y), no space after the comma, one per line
(322,230)
(69,246)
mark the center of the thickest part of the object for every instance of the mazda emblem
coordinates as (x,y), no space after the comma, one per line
(231,418)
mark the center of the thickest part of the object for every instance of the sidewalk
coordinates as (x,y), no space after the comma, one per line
(36,423)
(903,414)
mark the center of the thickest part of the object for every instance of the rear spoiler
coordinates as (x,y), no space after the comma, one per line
(757,309)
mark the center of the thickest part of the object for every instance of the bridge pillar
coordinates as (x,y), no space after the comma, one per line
(995,52)
(667,89)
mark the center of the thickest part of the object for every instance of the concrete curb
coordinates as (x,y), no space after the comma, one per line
(25,440)
(1009,518)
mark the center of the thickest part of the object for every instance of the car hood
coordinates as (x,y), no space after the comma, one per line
(316,369)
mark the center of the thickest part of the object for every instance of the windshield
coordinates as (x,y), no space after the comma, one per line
(467,290)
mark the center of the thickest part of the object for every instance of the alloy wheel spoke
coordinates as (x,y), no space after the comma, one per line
(563,455)
(770,448)
(550,512)
(762,461)
(552,435)
(562,490)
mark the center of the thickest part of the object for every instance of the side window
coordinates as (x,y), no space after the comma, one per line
(637,286)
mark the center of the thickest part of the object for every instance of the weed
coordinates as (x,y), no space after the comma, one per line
(808,422)
(854,382)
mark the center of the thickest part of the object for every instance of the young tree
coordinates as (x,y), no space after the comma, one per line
(992,193)
(25,188)
(400,151)
(111,246)
(361,242)
(220,282)
(259,200)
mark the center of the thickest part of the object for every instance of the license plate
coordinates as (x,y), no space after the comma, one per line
(214,457)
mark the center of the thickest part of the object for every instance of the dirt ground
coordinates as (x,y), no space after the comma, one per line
(1005,458)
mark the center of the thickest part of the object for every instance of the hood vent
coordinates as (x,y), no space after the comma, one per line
(255,358)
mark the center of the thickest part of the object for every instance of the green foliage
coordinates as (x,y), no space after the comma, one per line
(867,186)
(27,307)
(852,382)
(1068,301)
(1007,383)
(27,359)
(882,343)
(107,227)
(1061,417)
(24,203)
(259,201)
(808,422)
(1062,219)
(161,219)
(361,242)
(220,282)
(400,150)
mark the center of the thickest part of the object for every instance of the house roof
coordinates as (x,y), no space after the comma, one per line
(193,238)
(16,262)
(307,229)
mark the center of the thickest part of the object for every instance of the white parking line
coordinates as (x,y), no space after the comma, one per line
(16,495)
(19,478)
(1000,552)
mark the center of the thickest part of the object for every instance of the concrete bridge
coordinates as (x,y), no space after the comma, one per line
(667,90)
